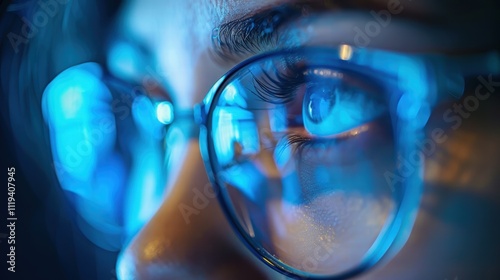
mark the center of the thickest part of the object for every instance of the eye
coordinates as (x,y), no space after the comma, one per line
(333,104)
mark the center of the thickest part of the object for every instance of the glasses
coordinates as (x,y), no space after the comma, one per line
(316,153)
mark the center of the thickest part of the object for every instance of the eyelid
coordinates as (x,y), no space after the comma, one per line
(251,35)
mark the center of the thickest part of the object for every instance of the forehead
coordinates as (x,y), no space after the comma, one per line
(197,18)
(186,18)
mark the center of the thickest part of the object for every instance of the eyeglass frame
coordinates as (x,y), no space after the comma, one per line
(203,114)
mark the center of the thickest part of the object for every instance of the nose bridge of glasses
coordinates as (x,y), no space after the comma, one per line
(200,113)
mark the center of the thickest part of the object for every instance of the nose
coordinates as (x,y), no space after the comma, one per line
(188,237)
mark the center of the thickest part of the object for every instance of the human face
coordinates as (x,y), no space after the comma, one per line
(455,231)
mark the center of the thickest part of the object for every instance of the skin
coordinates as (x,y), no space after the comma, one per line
(456,232)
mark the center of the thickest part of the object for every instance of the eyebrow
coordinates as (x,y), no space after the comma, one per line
(260,32)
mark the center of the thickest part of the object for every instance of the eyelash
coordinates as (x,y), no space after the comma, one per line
(279,87)
(300,144)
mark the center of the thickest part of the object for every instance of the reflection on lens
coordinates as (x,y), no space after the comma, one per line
(301,143)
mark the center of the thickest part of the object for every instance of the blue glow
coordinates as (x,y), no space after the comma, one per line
(145,187)
(230,93)
(282,155)
(165,112)
(144,114)
(142,111)
(227,131)
(125,266)
(332,111)
(412,82)
(77,108)
(277,119)
(124,60)
(407,107)
(411,73)
(224,135)
(71,102)
(98,207)
(247,178)
(414,104)
(248,136)
(82,127)
(232,96)
(292,189)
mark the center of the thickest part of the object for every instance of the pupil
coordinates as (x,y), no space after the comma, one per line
(319,104)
